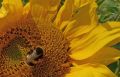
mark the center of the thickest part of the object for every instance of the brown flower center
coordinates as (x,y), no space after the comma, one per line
(54,50)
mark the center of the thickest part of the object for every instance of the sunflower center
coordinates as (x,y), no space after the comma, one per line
(49,51)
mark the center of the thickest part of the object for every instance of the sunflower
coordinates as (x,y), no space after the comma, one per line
(45,38)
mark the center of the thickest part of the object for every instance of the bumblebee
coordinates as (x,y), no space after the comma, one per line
(34,55)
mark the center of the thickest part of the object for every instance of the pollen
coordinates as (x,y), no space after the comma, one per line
(26,35)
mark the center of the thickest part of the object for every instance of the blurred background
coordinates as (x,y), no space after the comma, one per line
(108,10)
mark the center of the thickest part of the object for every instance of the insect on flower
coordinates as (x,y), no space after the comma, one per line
(47,39)
(34,56)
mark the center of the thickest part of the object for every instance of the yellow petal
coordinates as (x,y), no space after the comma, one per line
(64,14)
(3,12)
(48,4)
(90,70)
(96,40)
(44,11)
(10,12)
(79,3)
(87,39)
(105,56)
(112,24)
(26,9)
(83,21)
(13,6)
(86,12)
